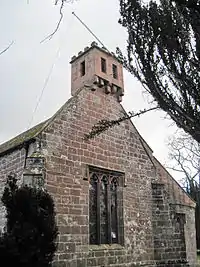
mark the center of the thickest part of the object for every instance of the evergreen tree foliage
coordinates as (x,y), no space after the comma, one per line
(31,231)
(163,52)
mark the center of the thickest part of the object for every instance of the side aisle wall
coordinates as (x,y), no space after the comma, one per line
(180,203)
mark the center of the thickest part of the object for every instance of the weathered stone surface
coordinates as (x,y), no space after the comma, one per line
(11,163)
(158,217)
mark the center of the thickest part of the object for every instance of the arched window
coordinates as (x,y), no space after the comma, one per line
(105,206)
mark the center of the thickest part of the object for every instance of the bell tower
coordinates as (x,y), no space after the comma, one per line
(95,67)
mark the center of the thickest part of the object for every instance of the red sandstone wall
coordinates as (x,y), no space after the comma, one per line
(119,149)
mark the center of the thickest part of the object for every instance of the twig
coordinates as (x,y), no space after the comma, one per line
(58,24)
(7,48)
(174,169)
(104,125)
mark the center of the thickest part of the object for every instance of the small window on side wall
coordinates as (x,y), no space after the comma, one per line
(33,180)
(115,72)
(82,68)
(103,65)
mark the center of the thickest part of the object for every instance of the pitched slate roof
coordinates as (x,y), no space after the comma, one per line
(22,138)
(32,133)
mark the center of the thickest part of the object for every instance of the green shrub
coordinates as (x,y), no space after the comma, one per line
(31,230)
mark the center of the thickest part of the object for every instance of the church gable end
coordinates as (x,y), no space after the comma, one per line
(112,207)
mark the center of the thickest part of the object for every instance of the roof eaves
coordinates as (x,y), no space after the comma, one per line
(21,139)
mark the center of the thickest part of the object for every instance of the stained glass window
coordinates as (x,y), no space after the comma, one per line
(113,190)
(93,208)
(104,209)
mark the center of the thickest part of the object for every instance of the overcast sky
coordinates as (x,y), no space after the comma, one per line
(26,65)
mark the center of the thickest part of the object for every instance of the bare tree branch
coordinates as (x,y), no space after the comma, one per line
(3,51)
(163,53)
(104,125)
(58,24)
(175,169)
(60,19)
(185,156)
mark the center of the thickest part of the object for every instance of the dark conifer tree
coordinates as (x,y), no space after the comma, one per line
(29,239)
(163,52)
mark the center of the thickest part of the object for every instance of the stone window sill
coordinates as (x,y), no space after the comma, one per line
(106,247)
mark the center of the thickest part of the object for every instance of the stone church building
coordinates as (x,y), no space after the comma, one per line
(116,204)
